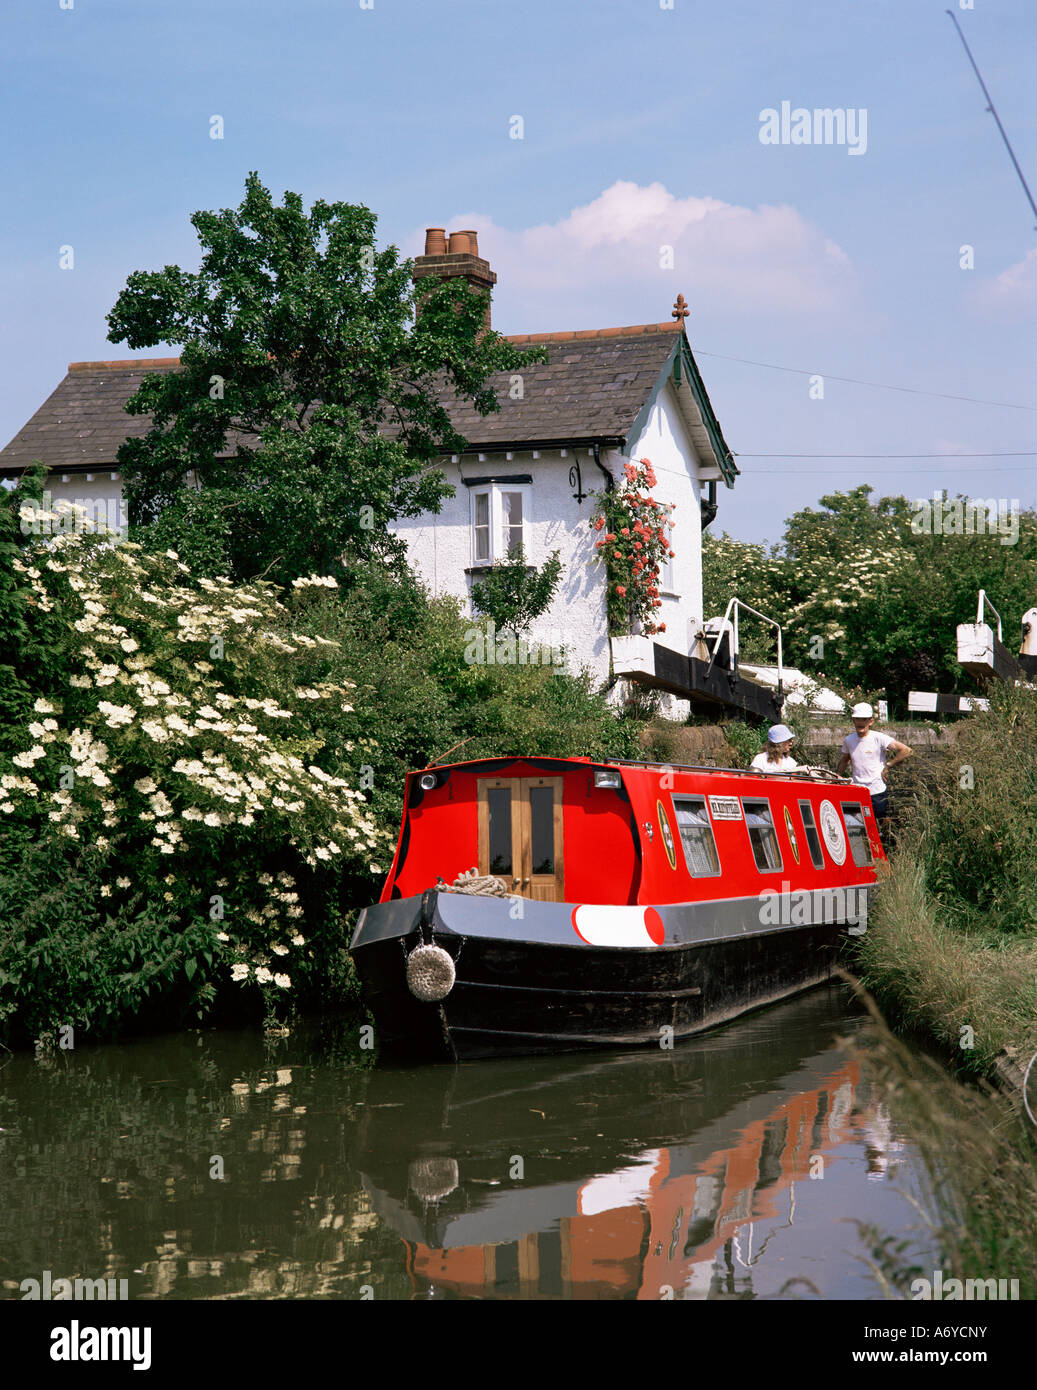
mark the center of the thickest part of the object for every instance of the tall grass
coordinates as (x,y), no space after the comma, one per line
(978,1182)
(951,954)
(952,940)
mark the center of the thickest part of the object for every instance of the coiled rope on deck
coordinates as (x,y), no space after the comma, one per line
(473,882)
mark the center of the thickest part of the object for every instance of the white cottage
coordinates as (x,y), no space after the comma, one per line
(565,429)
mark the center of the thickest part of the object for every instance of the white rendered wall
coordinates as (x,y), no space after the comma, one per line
(100,494)
(440,547)
(665,441)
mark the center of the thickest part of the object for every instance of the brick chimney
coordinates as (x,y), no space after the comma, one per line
(456,254)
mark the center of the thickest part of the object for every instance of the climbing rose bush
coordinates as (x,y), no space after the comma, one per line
(634,540)
(177,763)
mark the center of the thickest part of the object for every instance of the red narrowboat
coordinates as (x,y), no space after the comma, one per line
(632,903)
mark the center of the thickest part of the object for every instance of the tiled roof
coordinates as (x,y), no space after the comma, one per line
(82,421)
(593,386)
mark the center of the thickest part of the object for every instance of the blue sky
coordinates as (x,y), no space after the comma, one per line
(641,129)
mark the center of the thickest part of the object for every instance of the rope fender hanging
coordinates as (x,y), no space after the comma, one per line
(430,973)
(430,969)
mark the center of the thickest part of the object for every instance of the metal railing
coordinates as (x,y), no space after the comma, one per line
(736,604)
(979,611)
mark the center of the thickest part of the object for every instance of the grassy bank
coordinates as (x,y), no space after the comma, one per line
(951,949)
(951,957)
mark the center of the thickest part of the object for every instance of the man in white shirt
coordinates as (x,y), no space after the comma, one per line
(868,752)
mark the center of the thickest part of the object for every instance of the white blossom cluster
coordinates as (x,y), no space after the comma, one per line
(170,737)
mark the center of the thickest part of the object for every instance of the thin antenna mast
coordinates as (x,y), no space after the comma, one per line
(993,112)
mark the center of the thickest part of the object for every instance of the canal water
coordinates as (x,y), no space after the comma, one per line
(222,1165)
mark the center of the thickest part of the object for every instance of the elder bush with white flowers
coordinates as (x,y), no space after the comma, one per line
(170,776)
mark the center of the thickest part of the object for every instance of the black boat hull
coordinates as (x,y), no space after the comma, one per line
(531,996)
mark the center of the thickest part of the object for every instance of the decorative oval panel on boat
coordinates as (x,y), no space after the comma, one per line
(832,830)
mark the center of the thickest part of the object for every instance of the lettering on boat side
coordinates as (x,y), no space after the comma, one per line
(832,830)
(725,808)
(600,925)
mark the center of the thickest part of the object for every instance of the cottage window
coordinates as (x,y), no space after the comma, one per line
(500,512)
(481,527)
(667,577)
(696,832)
(760,824)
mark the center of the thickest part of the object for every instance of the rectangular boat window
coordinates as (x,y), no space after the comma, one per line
(813,838)
(499,802)
(696,832)
(542,834)
(858,833)
(760,824)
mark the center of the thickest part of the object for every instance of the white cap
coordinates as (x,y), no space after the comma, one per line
(862,711)
(778,733)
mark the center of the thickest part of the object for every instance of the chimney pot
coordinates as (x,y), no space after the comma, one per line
(463,244)
(435,241)
(454,255)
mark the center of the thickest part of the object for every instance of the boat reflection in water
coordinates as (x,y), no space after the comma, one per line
(639,1175)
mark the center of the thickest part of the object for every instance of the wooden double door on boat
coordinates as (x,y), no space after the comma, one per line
(520,834)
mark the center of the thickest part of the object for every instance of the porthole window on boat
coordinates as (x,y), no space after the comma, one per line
(764,841)
(813,838)
(696,832)
(853,815)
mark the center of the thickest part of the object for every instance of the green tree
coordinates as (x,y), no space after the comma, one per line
(741,569)
(29,631)
(515,594)
(870,594)
(850,521)
(307,400)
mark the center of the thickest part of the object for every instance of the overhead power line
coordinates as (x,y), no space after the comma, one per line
(994,468)
(855,381)
(993,112)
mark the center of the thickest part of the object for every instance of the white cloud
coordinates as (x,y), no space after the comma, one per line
(609,251)
(1015,289)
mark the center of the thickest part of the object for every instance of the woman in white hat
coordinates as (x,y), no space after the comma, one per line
(775,757)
